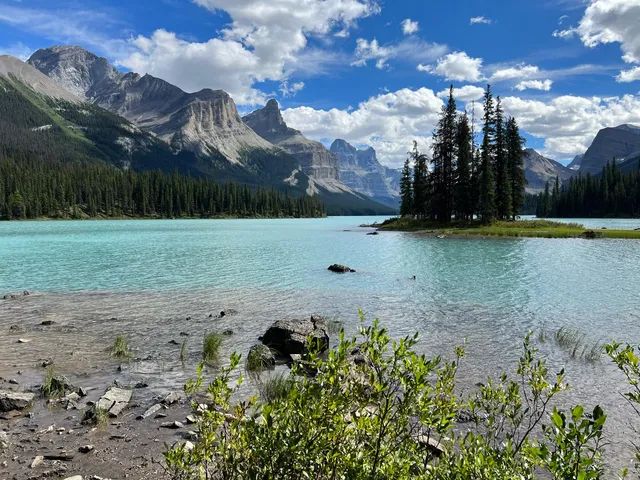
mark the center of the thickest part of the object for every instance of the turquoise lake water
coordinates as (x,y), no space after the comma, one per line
(151,278)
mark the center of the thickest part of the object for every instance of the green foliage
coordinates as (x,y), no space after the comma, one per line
(120,348)
(375,409)
(255,360)
(183,351)
(211,347)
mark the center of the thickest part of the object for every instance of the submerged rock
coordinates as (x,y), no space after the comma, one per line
(295,336)
(15,400)
(337,268)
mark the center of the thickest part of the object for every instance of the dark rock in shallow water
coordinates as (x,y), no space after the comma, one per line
(260,357)
(292,336)
(373,233)
(15,400)
(337,268)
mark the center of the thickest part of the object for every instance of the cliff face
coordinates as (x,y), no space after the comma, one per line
(539,170)
(362,172)
(611,143)
(206,122)
(315,160)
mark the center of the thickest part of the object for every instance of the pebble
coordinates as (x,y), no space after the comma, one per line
(173,425)
(37,461)
(24,340)
(86,448)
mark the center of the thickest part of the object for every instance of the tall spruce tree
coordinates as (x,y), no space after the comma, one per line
(515,163)
(406,189)
(421,186)
(487,206)
(443,162)
(463,201)
(502,177)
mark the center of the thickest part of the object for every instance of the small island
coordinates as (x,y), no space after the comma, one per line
(517,228)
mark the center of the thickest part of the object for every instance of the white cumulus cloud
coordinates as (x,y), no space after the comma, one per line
(480,20)
(457,66)
(409,27)
(544,85)
(631,75)
(467,93)
(514,73)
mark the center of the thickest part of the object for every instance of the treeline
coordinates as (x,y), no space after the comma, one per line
(466,181)
(32,188)
(611,194)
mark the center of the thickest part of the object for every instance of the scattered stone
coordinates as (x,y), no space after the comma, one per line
(24,340)
(47,363)
(173,425)
(150,411)
(191,419)
(37,461)
(82,392)
(47,323)
(229,311)
(337,268)
(373,233)
(432,443)
(161,415)
(86,448)
(295,336)
(190,435)
(184,334)
(13,381)
(227,333)
(141,385)
(114,400)
(263,354)
(4,441)
(173,342)
(15,400)
(63,456)
(172,398)
(75,477)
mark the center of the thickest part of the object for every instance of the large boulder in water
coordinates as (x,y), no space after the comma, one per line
(337,268)
(296,336)
(15,400)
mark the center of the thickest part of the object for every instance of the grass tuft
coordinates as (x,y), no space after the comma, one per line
(53,386)
(120,348)
(275,387)
(183,351)
(211,347)
(574,343)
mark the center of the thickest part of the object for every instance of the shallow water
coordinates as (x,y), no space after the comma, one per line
(155,279)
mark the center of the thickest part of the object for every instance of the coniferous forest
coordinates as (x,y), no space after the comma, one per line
(464,181)
(613,193)
(33,188)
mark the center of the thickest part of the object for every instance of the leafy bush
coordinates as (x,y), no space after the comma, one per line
(376,409)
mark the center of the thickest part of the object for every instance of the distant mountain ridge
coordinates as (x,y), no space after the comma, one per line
(539,170)
(361,170)
(611,143)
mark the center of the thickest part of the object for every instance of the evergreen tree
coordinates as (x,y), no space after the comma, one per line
(487,207)
(515,164)
(421,187)
(406,189)
(464,205)
(502,177)
(443,161)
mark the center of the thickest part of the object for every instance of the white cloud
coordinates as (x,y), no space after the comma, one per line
(409,27)
(371,50)
(610,21)
(480,20)
(514,73)
(456,66)
(410,49)
(388,122)
(631,75)
(544,85)
(569,123)
(467,93)
(263,42)
(290,90)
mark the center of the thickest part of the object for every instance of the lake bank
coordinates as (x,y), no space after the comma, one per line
(517,229)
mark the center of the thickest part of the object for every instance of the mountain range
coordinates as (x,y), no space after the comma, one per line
(68,100)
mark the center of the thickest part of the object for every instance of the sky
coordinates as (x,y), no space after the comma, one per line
(373,72)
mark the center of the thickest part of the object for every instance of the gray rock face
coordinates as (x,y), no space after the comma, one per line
(315,160)
(611,143)
(362,172)
(15,400)
(575,163)
(114,400)
(206,122)
(289,337)
(13,68)
(539,170)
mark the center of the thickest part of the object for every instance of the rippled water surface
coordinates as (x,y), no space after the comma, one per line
(153,279)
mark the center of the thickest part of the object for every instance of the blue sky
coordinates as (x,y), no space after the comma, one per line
(370,71)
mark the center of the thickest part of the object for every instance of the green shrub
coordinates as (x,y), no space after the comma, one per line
(211,347)
(376,410)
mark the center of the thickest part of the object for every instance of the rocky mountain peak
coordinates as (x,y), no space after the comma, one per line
(268,122)
(76,69)
(342,146)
